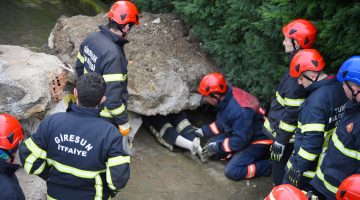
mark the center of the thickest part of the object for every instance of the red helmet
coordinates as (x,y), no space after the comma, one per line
(286,192)
(301,30)
(11,132)
(213,82)
(306,60)
(124,12)
(349,189)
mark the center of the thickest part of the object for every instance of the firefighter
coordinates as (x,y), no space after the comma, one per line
(11,133)
(343,156)
(237,130)
(349,188)
(78,154)
(103,52)
(318,116)
(174,130)
(282,119)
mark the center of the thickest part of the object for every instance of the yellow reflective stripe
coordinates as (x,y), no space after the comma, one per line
(119,160)
(105,113)
(40,169)
(312,127)
(307,155)
(48,197)
(85,71)
(288,101)
(72,170)
(29,161)
(80,57)
(268,127)
(114,77)
(35,149)
(330,187)
(182,125)
(109,179)
(287,127)
(347,152)
(98,187)
(118,111)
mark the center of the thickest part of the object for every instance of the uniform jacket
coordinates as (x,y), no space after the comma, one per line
(283,115)
(318,117)
(103,52)
(242,124)
(343,156)
(78,154)
(9,185)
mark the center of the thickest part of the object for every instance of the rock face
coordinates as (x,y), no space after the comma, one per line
(24,81)
(164,66)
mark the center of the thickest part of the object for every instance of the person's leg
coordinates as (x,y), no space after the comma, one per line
(248,163)
(278,167)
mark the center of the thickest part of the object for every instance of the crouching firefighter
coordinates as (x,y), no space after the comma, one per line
(318,116)
(237,130)
(79,155)
(174,130)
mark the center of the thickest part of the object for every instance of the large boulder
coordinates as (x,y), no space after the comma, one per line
(165,66)
(24,86)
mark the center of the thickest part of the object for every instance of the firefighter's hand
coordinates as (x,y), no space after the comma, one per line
(210,149)
(199,132)
(124,129)
(277,151)
(113,193)
(295,176)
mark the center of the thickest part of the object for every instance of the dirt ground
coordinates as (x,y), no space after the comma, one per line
(158,174)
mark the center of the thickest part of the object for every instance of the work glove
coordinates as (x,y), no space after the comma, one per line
(210,149)
(113,193)
(277,151)
(295,176)
(198,132)
(310,195)
(124,129)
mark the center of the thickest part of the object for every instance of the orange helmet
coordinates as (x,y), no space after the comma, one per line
(124,12)
(349,189)
(11,132)
(306,60)
(301,30)
(286,192)
(211,83)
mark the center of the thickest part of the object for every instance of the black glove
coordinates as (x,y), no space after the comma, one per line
(295,176)
(113,193)
(210,149)
(277,151)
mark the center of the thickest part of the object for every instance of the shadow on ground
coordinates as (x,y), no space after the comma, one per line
(158,174)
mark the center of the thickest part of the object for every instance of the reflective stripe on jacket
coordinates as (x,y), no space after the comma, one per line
(283,115)
(318,116)
(343,156)
(78,154)
(102,52)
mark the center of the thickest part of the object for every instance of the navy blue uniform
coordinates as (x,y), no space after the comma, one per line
(79,155)
(343,156)
(318,117)
(9,187)
(103,52)
(238,130)
(282,120)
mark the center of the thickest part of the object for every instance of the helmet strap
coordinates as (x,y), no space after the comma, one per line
(216,97)
(352,91)
(308,78)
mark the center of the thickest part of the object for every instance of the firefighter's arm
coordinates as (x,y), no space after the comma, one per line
(313,130)
(115,78)
(118,164)
(33,152)
(212,129)
(242,132)
(80,60)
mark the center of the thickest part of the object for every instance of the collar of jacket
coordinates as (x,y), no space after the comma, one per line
(327,81)
(8,168)
(352,106)
(95,112)
(117,39)
(222,104)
